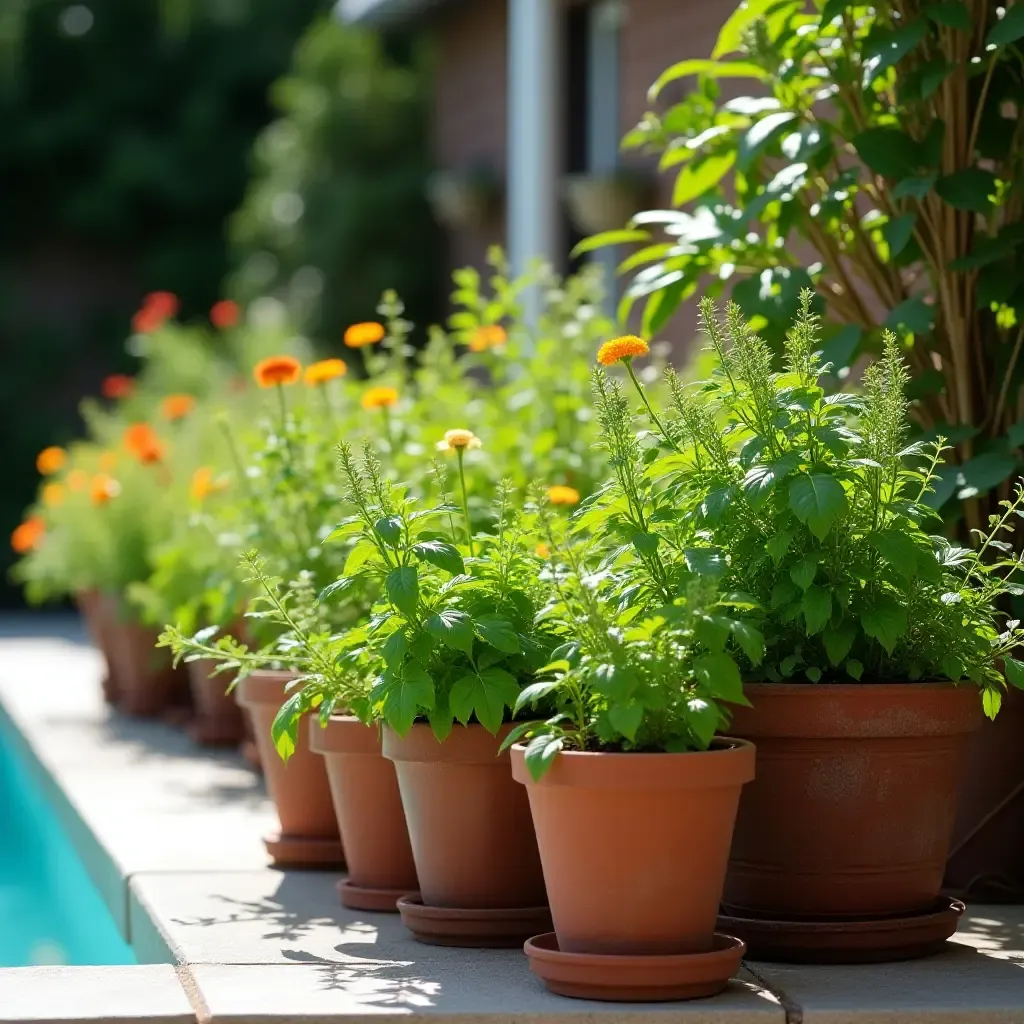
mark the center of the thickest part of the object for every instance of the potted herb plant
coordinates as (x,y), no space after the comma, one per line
(633,795)
(883,642)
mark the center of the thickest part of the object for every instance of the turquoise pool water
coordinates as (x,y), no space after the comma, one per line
(50,912)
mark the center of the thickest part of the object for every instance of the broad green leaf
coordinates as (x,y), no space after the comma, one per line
(751,641)
(405,696)
(702,718)
(710,68)
(705,561)
(803,573)
(916,187)
(621,236)
(403,588)
(984,472)
(886,621)
(991,701)
(759,135)
(951,13)
(719,677)
(284,730)
(817,499)
(338,587)
(700,176)
(540,753)
(362,553)
(389,529)
(778,545)
(832,9)
(646,543)
(440,553)
(897,233)
(344,530)
(393,651)
(969,189)
(985,250)
(855,668)
(453,628)
(887,48)
(1009,28)
(783,593)
(913,315)
(535,692)
(626,718)
(1014,670)
(817,608)
(762,477)
(898,550)
(730,37)
(888,151)
(486,694)
(499,633)
(838,641)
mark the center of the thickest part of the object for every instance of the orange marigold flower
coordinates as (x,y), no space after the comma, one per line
(277,370)
(325,370)
(380,398)
(107,461)
(458,440)
(28,535)
(225,314)
(77,479)
(203,483)
(117,385)
(53,495)
(487,336)
(103,489)
(622,348)
(560,494)
(51,460)
(177,407)
(142,441)
(543,550)
(368,333)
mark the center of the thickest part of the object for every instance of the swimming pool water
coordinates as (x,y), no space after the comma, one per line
(50,912)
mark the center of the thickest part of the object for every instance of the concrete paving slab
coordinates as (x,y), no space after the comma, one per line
(97,995)
(462,987)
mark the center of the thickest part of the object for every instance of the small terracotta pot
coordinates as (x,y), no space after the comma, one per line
(368,806)
(309,830)
(250,751)
(635,846)
(99,613)
(469,822)
(852,810)
(218,721)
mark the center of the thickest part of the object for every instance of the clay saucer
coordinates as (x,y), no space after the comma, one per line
(634,979)
(831,941)
(360,897)
(304,851)
(475,927)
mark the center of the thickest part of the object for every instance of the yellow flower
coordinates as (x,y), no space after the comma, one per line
(560,494)
(53,495)
(622,348)
(458,440)
(380,398)
(78,479)
(51,460)
(543,550)
(487,336)
(203,483)
(368,333)
(325,370)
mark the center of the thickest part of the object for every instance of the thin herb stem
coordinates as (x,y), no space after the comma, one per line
(647,404)
(465,499)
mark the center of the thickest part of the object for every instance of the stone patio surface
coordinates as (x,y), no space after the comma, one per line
(171,835)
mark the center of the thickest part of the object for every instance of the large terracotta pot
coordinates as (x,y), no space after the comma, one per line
(99,613)
(218,721)
(368,806)
(635,846)
(309,830)
(469,821)
(852,809)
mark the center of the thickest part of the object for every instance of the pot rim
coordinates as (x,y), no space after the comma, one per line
(264,686)
(730,765)
(465,744)
(344,734)
(844,688)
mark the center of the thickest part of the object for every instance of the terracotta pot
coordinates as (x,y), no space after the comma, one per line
(250,751)
(469,821)
(218,721)
(986,862)
(852,810)
(299,789)
(99,614)
(635,846)
(368,806)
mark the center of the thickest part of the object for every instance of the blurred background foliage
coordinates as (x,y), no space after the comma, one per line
(127,144)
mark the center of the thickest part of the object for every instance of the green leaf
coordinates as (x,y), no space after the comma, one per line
(730,37)
(1008,29)
(362,553)
(855,668)
(339,586)
(1014,670)
(403,588)
(782,593)
(986,250)
(705,561)
(535,692)
(702,718)
(486,694)
(915,187)
(284,730)
(817,499)
(888,48)
(620,236)
(389,529)
(838,641)
(817,608)
(440,553)
(405,696)
(888,151)
(898,550)
(951,13)
(719,677)
(898,232)
(394,649)
(700,176)
(778,545)
(969,189)
(646,543)
(803,573)
(453,628)
(886,621)
(991,701)
(540,753)
(709,68)
(499,633)
(751,641)
(762,477)
(626,718)
(984,472)
(913,315)
(760,134)
(832,9)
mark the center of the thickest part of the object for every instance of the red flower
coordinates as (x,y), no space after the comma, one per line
(164,303)
(225,314)
(117,385)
